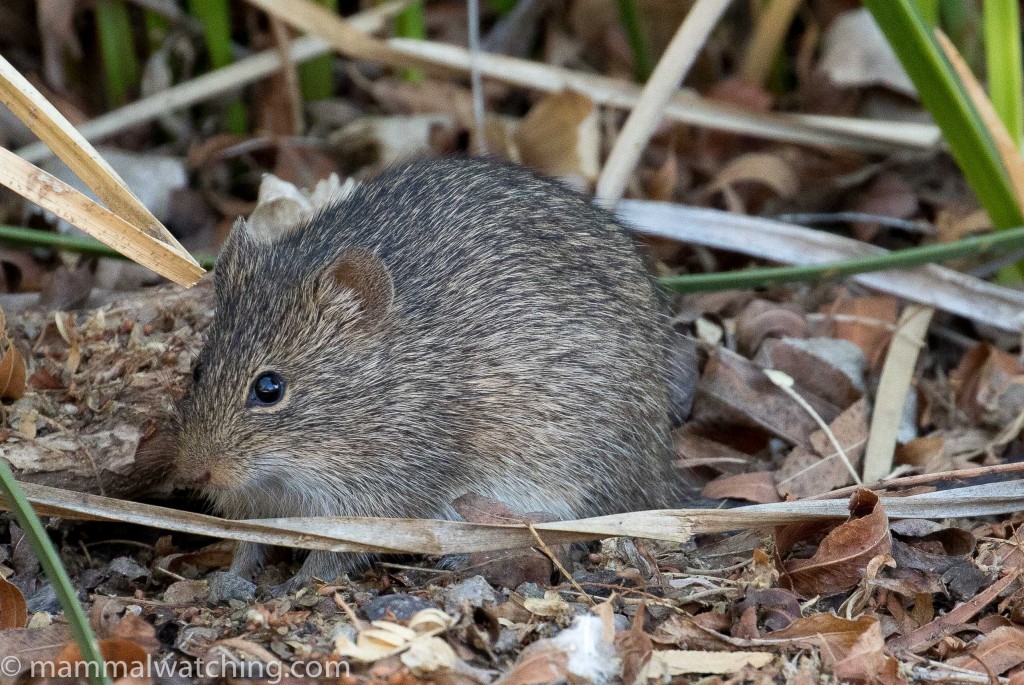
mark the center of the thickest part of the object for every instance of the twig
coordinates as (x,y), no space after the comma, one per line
(785,383)
(475,79)
(554,560)
(214,83)
(650,108)
(290,75)
(925,479)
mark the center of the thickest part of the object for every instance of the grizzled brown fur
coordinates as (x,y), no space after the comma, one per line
(453,326)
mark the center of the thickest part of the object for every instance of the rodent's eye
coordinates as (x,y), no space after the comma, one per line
(267,389)
(197,372)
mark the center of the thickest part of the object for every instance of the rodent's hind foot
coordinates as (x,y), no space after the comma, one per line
(325,566)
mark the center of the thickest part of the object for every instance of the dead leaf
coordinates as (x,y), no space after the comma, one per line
(695,450)
(44,644)
(635,648)
(867,322)
(856,54)
(504,568)
(703,631)
(807,472)
(774,608)
(672,662)
(758,487)
(924,637)
(997,652)
(13,612)
(853,649)
(819,365)
(733,390)
(128,661)
(989,385)
(762,319)
(560,137)
(840,560)
(12,367)
(761,169)
(888,195)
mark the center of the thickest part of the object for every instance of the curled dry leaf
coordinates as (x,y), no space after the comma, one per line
(774,608)
(635,648)
(989,385)
(759,168)
(560,137)
(844,554)
(12,367)
(13,612)
(385,638)
(762,319)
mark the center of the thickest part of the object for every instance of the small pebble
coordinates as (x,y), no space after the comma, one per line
(530,591)
(45,599)
(403,606)
(128,567)
(226,586)
(474,592)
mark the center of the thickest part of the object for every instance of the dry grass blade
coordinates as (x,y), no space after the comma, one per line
(772,26)
(1004,142)
(649,109)
(897,373)
(685,107)
(214,83)
(52,194)
(936,286)
(55,131)
(340,33)
(422,536)
(689,108)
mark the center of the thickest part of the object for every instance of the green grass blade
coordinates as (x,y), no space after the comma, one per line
(929,10)
(944,97)
(215,16)
(412,23)
(30,237)
(1003,64)
(901,259)
(502,7)
(49,559)
(157,28)
(631,24)
(117,47)
(316,78)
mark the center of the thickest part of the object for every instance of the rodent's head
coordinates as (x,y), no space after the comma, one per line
(298,327)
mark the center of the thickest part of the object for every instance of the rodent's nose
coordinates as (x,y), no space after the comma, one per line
(204,477)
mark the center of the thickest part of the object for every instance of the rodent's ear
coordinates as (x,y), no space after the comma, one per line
(364,273)
(239,244)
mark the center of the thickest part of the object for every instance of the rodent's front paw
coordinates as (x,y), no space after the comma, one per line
(248,559)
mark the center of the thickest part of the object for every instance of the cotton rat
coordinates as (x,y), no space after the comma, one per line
(453,326)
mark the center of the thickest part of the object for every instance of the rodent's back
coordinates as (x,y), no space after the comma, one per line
(523,356)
